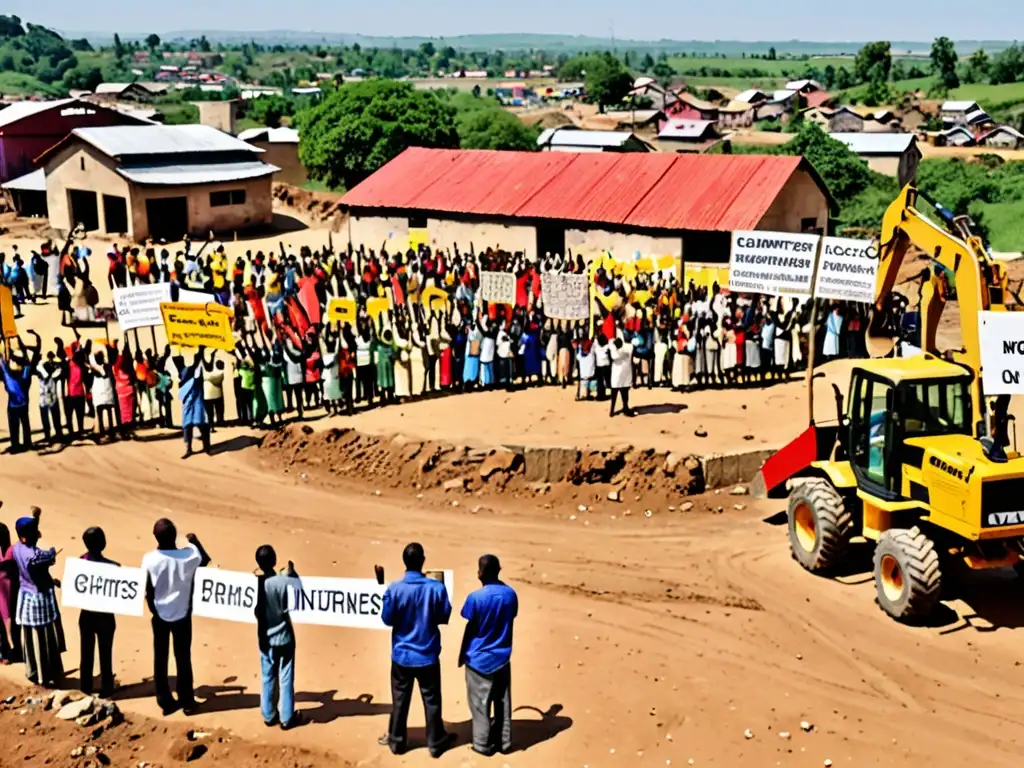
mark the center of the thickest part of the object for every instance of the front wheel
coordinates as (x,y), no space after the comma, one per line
(820,526)
(908,579)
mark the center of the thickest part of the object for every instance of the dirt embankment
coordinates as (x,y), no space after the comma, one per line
(648,478)
(322,209)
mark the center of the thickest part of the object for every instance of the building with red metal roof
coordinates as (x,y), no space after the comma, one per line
(654,204)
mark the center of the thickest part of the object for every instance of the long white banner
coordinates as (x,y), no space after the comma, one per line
(139,306)
(103,588)
(1002,352)
(773,263)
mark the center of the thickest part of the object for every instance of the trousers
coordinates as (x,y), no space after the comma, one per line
(17,423)
(624,394)
(277,670)
(484,694)
(181,632)
(402,679)
(97,629)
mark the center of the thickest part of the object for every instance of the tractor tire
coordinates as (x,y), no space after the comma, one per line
(908,577)
(820,526)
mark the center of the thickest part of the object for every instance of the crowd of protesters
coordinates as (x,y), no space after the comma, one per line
(647,329)
(414,607)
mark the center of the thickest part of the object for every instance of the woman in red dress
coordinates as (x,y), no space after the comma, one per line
(124,386)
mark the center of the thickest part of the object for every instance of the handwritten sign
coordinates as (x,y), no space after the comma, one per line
(194,325)
(139,306)
(341,311)
(225,595)
(565,296)
(498,287)
(9,327)
(103,587)
(1002,352)
(773,263)
(847,270)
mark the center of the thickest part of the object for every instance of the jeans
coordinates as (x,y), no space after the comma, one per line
(277,668)
(50,415)
(182,634)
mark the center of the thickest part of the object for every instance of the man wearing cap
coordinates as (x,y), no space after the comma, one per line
(37,605)
(486,653)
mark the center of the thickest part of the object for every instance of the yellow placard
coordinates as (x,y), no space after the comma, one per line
(643,298)
(434,298)
(611,301)
(644,264)
(195,325)
(418,236)
(341,311)
(667,261)
(10,328)
(377,307)
(705,276)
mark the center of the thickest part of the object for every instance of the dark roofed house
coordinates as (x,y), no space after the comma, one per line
(156,181)
(688,136)
(545,202)
(29,128)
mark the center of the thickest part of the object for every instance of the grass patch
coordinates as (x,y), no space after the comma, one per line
(1005,224)
(15,82)
(318,186)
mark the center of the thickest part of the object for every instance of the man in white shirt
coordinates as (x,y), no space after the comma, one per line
(170,572)
(622,374)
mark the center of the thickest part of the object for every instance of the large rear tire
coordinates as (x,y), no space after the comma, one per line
(908,577)
(820,526)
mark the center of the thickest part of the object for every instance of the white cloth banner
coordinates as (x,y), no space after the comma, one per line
(773,263)
(848,270)
(1002,352)
(227,595)
(103,587)
(139,306)
(322,600)
(498,287)
(566,297)
(186,296)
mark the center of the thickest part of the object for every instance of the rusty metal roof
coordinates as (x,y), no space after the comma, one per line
(657,191)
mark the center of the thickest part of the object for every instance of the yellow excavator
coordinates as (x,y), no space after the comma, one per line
(915,463)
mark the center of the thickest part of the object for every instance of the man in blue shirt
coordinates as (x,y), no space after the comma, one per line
(414,608)
(487,652)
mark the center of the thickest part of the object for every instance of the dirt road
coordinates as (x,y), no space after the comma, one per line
(640,640)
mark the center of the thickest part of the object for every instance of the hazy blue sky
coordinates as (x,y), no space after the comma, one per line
(652,19)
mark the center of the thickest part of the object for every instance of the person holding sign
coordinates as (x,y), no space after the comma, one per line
(414,608)
(486,653)
(190,392)
(170,572)
(96,628)
(37,605)
(277,640)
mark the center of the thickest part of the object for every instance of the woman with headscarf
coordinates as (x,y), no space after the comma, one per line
(37,606)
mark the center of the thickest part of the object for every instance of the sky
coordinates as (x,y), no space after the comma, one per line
(650,20)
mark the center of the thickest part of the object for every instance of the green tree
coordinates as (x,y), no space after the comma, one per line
(607,81)
(772,55)
(944,61)
(844,79)
(361,126)
(870,56)
(118,47)
(977,66)
(494,128)
(10,26)
(269,110)
(844,173)
(83,78)
(428,49)
(1007,66)
(878,88)
(152,41)
(829,77)
(646,63)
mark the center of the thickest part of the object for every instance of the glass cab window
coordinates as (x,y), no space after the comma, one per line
(871,429)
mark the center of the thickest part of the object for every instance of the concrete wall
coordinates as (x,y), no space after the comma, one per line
(285,157)
(890,166)
(371,231)
(800,199)
(202,217)
(217,114)
(79,166)
(593,242)
(1002,140)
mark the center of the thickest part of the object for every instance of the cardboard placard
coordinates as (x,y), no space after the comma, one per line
(1002,352)
(7,324)
(139,305)
(334,602)
(772,263)
(566,297)
(225,595)
(377,307)
(194,325)
(341,311)
(498,287)
(103,588)
(847,270)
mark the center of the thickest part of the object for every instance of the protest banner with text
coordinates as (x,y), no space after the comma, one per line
(139,305)
(498,287)
(1002,352)
(225,595)
(341,311)
(565,296)
(847,270)
(103,587)
(772,263)
(195,325)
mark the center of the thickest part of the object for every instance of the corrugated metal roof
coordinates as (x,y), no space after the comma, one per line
(19,110)
(659,191)
(201,173)
(876,143)
(685,129)
(121,140)
(746,96)
(959,106)
(283,135)
(35,181)
(573,137)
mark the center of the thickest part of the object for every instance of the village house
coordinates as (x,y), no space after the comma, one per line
(804,86)
(957,136)
(570,139)
(914,117)
(632,119)
(1002,137)
(29,128)
(752,96)
(281,148)
(135,92)
(845,120)
(688,136)
(963,113)
(156,181)
(894,154)
(736,114)
(689,107)
(781,103)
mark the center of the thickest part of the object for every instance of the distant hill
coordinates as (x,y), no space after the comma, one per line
(528,41)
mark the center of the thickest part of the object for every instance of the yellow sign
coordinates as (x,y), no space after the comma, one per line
(10,328)
(377,307)
(611,302)
(198,325)
(705,275)
(643,298)
(645,264)
(434,298)
(417,237)
(341,311)
(667,261)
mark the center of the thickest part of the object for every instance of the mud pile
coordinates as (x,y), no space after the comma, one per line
(317,207)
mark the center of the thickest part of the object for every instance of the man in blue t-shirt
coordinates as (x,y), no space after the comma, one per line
(414,608)
(487,652)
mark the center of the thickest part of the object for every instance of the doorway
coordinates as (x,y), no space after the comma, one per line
(115,215)
(167,217)
(84,210)
(550,239)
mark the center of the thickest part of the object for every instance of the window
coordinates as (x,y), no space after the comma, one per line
(936,408)
(869,424)
(227,197)
(809,224)
(417,222)
(81,161)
